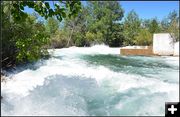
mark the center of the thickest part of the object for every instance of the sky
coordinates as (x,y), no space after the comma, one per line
(145,9)
(150,9)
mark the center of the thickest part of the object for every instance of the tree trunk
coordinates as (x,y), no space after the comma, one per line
(70,36)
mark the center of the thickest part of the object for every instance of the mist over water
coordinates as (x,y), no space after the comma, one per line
(92,81)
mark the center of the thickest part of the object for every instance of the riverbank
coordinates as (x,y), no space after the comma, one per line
(3,77)
(3,80)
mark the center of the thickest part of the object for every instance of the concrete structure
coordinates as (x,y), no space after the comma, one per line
(163,44)
(137,50)
(135,47)
(176,49)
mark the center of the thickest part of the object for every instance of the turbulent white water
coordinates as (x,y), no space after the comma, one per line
(92,81)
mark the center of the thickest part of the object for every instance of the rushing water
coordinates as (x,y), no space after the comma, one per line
(92,81)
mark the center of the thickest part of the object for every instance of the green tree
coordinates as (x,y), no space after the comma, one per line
(170,24)
(131,27)
(143,38)
(173,27)
(52,25)
(116,38)
(61,9)
(93,38)
(98,23)
(79,39)
(102,18)
(77,27)
(154,26)
(59,39)
(24,38)
(30,46)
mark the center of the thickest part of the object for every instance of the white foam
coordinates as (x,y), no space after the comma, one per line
(26,81)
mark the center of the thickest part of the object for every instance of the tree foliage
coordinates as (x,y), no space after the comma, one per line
(24,37)
(61,9)
(132,25)
(173,27)
(154,26)
(66,24)
(52,25)
(144,37)
(100,22)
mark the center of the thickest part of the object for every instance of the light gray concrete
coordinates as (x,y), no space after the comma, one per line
(163,44)
(176,49)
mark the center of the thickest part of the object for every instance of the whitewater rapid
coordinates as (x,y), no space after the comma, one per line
(91,81)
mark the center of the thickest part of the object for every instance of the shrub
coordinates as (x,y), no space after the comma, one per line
(144,37)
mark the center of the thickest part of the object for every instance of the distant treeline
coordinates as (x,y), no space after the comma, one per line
(101,22)
(26,37)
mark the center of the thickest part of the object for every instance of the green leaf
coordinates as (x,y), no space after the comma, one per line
(47,5)
(63,14)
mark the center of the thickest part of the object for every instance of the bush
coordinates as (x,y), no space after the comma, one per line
(94,38)
(116,38)
(79,40)
(22,41)
(31,40)
(90,36)
(59,39)
(144,37)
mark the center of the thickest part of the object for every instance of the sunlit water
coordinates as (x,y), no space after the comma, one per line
(92,81)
